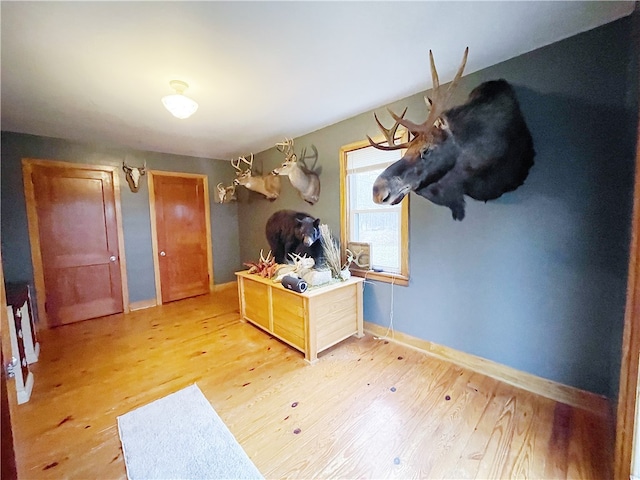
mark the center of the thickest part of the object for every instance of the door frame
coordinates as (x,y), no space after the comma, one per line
(34,231)
(627,393)
(627,409)
(154,228)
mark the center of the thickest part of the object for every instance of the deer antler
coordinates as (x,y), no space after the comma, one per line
(265,260)
(248,162)
(436,107)
(236,164)
(265,267)
(286,148)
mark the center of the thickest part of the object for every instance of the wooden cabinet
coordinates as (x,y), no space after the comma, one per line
(311,321)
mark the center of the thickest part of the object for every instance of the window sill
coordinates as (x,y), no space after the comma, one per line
(394,278)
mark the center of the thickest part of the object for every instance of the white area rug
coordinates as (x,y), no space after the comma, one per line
(181,436)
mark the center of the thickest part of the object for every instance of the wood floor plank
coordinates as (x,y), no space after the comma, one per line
(476,396)
(373,413)
(367,409)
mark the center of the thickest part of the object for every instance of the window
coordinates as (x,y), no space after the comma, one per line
(384,227)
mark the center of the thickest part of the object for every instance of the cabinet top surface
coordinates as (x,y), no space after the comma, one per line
(311,292)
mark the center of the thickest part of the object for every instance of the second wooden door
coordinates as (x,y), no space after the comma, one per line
(182,239)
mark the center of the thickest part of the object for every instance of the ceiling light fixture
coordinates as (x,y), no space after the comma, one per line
(178,104)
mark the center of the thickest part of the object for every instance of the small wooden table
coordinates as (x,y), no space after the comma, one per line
(311,321)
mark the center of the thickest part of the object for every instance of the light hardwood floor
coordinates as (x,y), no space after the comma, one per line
(368,409)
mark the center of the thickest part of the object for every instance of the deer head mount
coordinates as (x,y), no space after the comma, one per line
(268,185)
(304,180)
(226,194)
(482,148)
(133,174)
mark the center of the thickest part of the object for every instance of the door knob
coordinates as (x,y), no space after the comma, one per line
(163,254)
(112,258)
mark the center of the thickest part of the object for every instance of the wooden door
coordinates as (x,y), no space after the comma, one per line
(182,235)
(73,225)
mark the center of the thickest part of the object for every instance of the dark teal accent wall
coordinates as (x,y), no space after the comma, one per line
(16,253)
(535,280)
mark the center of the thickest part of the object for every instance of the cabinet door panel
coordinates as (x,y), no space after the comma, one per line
(256,298)
(336,316)
(288,321)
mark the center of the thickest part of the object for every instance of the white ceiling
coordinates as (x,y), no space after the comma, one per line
(95,71)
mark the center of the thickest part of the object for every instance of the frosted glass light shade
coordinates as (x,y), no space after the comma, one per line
(179,105)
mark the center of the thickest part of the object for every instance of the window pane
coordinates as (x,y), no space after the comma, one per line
(381,230)
(360,189)
(365,157)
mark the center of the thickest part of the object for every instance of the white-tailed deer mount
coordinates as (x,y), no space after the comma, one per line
(226,194)
(302,179)
(133,174)
(267,185)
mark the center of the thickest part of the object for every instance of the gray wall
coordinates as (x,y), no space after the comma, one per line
(536,279)
(16,253)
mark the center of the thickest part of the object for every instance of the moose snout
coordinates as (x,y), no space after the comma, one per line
(381,191)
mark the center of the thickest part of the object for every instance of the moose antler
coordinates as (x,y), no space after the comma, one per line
(437,105)
(389,133)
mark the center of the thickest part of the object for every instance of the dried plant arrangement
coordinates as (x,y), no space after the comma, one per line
(331,251)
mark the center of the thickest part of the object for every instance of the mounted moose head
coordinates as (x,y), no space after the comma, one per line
(226,194)
(302,179)
(267,185)
(482,148)
(133,174)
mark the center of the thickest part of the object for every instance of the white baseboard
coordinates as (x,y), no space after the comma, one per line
(142,304)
